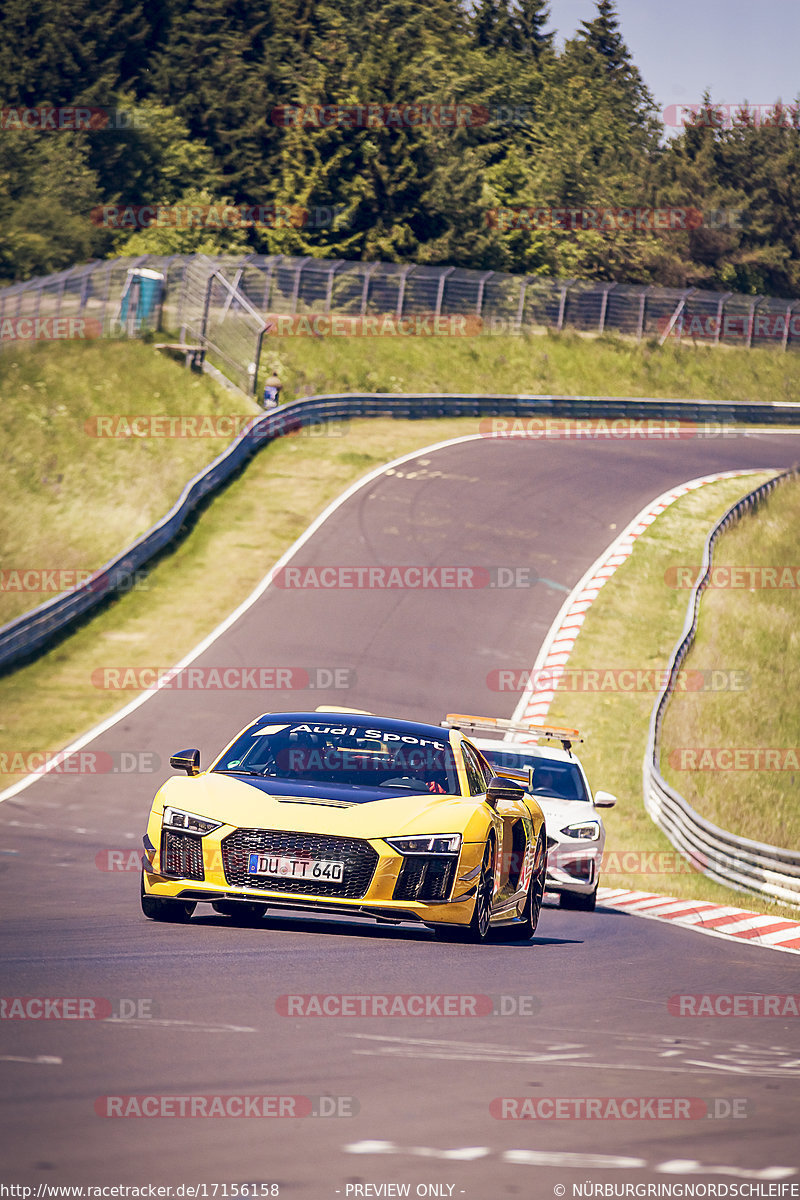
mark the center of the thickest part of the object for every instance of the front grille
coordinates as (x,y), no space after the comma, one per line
(425,878)
(359,858)
(182,854)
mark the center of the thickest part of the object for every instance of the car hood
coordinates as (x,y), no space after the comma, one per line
(310,808)
(560,813)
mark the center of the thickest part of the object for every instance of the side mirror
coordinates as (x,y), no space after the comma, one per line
(501,788)
(186,760)
(604,800)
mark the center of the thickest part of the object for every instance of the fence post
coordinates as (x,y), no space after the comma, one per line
(785,338)
(675,316)
(562,306)
(440,291)
(368,272)
(206,306)
(329,288)
(296,288)
(642,312)
(85,289)
(523,287)
(237,279)
(720,313)
(750,316)
(259,344)
(401,292)
(604,306)
(481,288)
(268,284)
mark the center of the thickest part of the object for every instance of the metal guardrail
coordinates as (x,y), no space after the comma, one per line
(736,862)
(24,637)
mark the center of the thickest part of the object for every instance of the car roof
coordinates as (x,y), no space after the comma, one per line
(555,753)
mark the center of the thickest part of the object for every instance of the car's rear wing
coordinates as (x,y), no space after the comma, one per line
(540,733)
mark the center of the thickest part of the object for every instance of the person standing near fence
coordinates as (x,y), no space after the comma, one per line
(272,391)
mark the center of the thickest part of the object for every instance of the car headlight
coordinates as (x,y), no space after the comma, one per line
(588,830)
(176,818)
(448,843)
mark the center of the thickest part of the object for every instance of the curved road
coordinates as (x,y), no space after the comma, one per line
(582,1011)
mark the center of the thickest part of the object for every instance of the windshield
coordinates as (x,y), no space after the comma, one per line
(551,777)
(354,755)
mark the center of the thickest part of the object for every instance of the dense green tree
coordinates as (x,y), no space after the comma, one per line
(531,18)
(612,59)
(47,190)
(153,160)
(408,185)
(758,165)
(214,89)
(217,69)
(689,179)
(512,26)
(741,180)
(72,51)
(584,157)
(493,25)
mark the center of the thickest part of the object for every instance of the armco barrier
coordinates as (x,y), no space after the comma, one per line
(737,862)
(28,634)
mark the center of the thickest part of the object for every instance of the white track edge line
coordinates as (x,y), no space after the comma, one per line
(109,722)
(667,498)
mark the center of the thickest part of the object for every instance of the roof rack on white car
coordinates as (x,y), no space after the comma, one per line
(554,733)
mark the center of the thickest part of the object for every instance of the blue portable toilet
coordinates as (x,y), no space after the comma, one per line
(141,299)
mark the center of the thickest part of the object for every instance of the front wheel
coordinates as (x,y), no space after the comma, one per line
(176,912)
(478,929)
(533,905)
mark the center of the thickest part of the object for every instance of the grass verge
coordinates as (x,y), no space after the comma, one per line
(636,621)
(237,538)
(72,500)
(548,364)
(757,627)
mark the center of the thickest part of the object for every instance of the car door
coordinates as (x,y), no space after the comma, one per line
(514,830)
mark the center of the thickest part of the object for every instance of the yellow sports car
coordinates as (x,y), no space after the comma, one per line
(353,815)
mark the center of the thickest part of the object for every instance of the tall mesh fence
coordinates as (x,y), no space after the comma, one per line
(223,304)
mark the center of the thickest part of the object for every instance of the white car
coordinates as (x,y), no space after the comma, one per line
(555,776)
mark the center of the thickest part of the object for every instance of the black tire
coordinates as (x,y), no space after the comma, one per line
(241,912)
(524,929)
(478,929)
(176,912)
(477,932)
(578,901)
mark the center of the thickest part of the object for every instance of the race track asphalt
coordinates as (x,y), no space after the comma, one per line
(582,1010)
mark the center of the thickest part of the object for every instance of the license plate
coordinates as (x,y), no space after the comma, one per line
(278,866)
